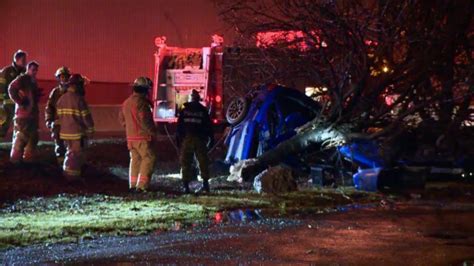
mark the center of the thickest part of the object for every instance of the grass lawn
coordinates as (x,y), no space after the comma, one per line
(73,218)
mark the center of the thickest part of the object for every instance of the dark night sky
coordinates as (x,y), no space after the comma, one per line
(107,40)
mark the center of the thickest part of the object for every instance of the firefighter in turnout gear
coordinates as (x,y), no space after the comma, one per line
(7,75)
(76,126)
(194,136)
(62,75)
(25,94)
(136,117)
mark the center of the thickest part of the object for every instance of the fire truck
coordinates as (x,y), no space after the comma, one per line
(179,70)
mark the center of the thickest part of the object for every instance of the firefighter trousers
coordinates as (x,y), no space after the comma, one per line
(10,110)
(194,146)
(59,145)
(74,160)
(25,140)
(142,162)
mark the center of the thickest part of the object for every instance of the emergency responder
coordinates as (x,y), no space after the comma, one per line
(76,126)
(194,136)
(62,75)
(136,117)
(25,94)
(7,75)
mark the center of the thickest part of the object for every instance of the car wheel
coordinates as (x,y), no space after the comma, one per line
(237,110)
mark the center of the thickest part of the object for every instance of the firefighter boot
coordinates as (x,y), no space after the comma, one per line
(204,189)
(186,187)
(132,183)
(143,183)
(205,185)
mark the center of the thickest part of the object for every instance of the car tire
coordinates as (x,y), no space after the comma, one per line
(237,110)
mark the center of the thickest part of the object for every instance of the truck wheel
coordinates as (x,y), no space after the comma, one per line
(237,110)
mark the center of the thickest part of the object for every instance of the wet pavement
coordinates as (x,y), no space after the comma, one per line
(414,232)
(150,248)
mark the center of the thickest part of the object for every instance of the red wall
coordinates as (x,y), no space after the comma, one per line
(107,40)
(97,93)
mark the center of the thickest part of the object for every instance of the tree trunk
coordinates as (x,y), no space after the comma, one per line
(311,135)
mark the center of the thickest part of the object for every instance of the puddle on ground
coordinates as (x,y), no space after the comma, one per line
(238,216)
(353,207)
(223,217)
(250,215)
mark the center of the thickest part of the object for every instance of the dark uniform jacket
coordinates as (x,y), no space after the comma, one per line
(74,116)
(7,75)
(25,93)
(50,112)
(194,120)
(136,117)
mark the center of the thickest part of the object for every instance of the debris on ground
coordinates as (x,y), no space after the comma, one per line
(236,169)
(275,180)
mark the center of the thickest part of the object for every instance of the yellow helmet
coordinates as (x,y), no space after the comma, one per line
(62,71)
(143,82)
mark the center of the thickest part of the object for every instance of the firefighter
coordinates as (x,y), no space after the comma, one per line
(194,136)
(136,117)
(62,75)
(24,92)
(76,126)
(7,75)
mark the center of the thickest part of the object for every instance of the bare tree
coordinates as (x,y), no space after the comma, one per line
(389,65)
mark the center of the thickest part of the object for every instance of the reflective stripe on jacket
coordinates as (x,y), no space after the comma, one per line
(194,120)
(137,118)
(50,111)
(74,116)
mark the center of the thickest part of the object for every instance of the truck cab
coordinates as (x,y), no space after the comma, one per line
(180,70)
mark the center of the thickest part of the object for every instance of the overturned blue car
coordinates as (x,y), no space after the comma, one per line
(264,118)
(269,115)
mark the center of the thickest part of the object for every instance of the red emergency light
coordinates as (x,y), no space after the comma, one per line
(296,39)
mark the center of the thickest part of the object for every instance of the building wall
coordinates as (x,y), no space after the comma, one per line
(109,41)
